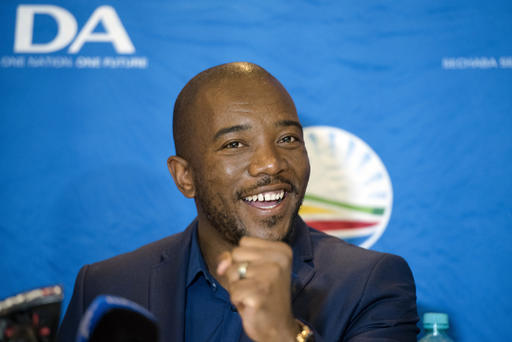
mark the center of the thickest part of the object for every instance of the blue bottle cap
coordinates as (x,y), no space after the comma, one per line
(435,318)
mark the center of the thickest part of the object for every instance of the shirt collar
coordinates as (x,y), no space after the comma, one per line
(196,263)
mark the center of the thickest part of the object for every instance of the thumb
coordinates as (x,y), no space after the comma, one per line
(225,261)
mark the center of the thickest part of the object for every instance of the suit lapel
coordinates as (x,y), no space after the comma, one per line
(167,287)
(302,269)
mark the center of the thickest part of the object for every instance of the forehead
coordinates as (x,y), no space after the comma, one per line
(244,101)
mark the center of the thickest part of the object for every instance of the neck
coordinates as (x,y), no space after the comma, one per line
(212,245)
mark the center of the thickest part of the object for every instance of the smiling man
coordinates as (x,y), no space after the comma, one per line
(248,268)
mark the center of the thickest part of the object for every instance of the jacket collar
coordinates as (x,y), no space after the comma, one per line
(167,286)
(303,267)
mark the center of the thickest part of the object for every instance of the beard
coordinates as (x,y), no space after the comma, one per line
(220,217)
(225,220)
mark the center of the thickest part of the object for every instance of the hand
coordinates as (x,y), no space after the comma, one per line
(263,297)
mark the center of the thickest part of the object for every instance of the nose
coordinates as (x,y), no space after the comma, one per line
(268,160)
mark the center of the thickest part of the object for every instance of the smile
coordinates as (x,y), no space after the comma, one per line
(266,200)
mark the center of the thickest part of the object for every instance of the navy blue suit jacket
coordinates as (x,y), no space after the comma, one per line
(345,293)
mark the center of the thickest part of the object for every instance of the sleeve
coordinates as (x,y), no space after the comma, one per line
(387,310)
(69,326)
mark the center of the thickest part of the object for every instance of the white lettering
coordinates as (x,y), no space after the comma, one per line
(470,63)
(49,62)
(23,36)
(79,62)
(12,62)
(506,62)
(125,62)
(115,32)
(87,62)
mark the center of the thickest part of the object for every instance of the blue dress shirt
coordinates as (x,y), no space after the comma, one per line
(209,314)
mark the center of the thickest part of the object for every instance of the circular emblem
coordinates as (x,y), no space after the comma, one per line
(349,194)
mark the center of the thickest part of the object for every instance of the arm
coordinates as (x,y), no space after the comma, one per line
(387,309)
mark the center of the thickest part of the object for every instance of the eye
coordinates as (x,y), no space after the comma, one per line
(288,139)
(232,145)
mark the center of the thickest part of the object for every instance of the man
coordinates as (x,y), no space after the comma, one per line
(248,268)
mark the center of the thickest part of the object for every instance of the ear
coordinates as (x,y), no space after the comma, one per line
(182,175)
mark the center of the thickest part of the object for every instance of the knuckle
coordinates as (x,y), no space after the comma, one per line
(235,253)
(284,261)
(288,251)
(274,269)
(256,303)
(285,249)
(265,289)
(232,274)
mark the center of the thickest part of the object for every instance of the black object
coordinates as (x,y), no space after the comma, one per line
(116,319)
(31,316)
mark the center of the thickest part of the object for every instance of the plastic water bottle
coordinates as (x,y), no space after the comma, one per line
(435,325)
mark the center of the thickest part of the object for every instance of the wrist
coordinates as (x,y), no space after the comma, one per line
(288,332)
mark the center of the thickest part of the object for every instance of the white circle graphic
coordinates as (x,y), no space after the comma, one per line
(349,194)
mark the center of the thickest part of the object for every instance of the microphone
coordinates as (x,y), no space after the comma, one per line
(116,319)
(31,316)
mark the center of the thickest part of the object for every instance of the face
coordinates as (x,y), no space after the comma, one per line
(252,168)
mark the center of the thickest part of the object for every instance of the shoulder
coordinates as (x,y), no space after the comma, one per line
(327,247)
(362,291)
(128,274)
(352,266)
(140,259)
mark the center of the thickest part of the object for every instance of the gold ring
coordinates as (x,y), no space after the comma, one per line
(242,270)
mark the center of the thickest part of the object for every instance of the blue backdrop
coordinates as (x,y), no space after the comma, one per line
(87,90)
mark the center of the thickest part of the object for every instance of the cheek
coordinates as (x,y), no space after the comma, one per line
(300,163)
(233,170)
(226,172)
(306,167)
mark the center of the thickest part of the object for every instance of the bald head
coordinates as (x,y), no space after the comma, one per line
(193,102)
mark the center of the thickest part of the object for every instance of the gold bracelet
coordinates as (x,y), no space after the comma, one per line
(306,335)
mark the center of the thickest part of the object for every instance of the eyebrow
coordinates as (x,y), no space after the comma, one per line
(285,123)
(231,129)
(238,128)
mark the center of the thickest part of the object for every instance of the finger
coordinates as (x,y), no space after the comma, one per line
(255,255)
(249,254)
(225,261)
(248,241)
(266,245)
(232,272)
(247,293)
(264,272)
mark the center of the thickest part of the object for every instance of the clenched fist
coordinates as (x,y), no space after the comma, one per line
(263,295)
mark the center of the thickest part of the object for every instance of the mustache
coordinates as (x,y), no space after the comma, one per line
(267,180)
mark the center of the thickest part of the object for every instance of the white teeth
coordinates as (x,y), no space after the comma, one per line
(267,197)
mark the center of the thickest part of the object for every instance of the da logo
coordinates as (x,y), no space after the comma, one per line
(349,193)
(67,29)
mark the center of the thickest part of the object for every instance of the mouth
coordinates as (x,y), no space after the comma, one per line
(266,200)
